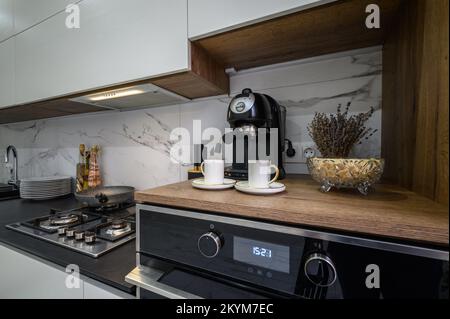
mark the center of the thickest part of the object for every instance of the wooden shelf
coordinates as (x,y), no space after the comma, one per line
(390,212)
(334,27)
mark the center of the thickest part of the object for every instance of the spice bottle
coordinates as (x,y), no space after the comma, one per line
(94,177)
(81,169)
(87,156)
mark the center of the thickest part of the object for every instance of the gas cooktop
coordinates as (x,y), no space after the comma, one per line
(92,232)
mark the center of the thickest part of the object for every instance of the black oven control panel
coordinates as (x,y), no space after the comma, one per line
(279,261)
(287,260)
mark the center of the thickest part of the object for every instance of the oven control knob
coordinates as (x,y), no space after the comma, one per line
(209,244)
(320,270)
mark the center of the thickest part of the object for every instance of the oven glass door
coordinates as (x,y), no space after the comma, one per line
(156,283)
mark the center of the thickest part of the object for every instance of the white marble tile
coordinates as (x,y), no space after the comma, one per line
(323,69)
(135,145)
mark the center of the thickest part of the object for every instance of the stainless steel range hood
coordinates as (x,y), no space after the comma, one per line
(132,97)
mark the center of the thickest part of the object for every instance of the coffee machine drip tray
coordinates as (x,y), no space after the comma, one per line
(242,174)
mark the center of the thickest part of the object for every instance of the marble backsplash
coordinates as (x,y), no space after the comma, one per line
(136,144)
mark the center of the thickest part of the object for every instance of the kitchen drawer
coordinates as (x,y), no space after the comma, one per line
(207,17)
(117,42)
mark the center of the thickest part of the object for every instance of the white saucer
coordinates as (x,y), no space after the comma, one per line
(200,183)
(272,189)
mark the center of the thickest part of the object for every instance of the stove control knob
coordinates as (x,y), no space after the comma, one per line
(209,244)
(320,270)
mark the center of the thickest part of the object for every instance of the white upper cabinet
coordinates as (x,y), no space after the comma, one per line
(30,12)
(7,73)
(118,41)
(6,19)
(207,17)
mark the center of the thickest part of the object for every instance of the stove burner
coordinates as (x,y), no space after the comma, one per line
(118,232)
(60,219)
(56,221)
(64,219)
(115,229)
(118,224)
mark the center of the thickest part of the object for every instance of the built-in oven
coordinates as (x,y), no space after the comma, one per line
(187,254)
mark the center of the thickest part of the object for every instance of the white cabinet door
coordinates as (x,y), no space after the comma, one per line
(28,13)
(207,17)
(24,277)
(7,73)
(6,19)
(118,41)
(96,290)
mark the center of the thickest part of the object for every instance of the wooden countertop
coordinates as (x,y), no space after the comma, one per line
(390,211)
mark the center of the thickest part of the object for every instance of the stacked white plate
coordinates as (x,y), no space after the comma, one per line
(40,188)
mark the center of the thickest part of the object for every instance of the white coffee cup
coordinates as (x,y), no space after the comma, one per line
(259,172)
(213,170)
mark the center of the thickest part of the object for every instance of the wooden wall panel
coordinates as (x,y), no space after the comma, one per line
(442,182)
(398,116)
(431,153)
(415,99)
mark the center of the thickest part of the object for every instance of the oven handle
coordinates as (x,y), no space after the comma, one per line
(146,277)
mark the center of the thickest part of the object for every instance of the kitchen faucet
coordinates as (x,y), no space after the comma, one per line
(15,178)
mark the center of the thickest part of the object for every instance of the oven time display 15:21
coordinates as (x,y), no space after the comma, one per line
(263,252)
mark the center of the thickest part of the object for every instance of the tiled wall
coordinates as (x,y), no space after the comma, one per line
(136,144)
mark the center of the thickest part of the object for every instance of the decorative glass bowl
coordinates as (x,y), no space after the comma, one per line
(346,172)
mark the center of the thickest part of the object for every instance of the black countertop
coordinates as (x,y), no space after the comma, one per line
(109,269)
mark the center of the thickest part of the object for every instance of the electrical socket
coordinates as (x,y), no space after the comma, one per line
(300,149)
(297,157)
(308,150)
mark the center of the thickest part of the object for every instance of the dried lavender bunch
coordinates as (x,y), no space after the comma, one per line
(336,134)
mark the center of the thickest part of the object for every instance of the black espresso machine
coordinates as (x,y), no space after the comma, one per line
(249,114)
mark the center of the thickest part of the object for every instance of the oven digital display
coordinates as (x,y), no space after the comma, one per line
(262,254)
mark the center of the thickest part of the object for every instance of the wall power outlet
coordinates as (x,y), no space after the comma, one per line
(302,151)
